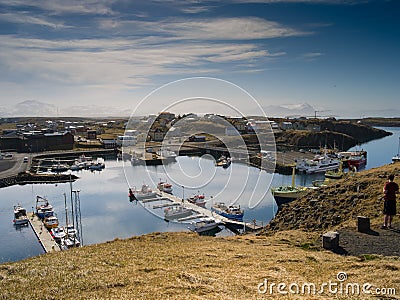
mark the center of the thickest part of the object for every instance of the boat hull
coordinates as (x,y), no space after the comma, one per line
(236,217)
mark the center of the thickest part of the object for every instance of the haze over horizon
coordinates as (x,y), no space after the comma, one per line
(101,58)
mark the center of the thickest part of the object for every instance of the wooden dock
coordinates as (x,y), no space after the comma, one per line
(43,235)
(203,212)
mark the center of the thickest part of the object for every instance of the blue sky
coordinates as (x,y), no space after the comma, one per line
(338,56)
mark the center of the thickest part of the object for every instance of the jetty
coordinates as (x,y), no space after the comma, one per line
(233,225)
(43,235)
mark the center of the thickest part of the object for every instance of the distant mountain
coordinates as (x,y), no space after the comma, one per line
(32,108)
(302,109)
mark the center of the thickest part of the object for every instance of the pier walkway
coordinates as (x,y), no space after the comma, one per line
(203,212)
(43,235)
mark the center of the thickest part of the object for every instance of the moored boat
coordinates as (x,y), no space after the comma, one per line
(232,212)
(165,187)
(335,174)
(287,193)
(318,165)
(357,161)
(176,212)
(144,193)
(203,224)
(197,200)
(43,208)
(20,217)
(58,233)
(50,222)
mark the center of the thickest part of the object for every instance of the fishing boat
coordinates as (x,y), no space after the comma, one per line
(335,174)
(43,208)
(176,212)
(197,200)
(165,187)
(144,193)
(232,212)
(357,161)
(50,222)
(287,193)
(20,217)
(203,224)
(396,158)
(318,165)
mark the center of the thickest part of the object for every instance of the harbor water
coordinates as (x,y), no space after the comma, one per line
(107,213)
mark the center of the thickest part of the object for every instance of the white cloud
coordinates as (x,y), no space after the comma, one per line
(61,7)
(245,28)
(25,18)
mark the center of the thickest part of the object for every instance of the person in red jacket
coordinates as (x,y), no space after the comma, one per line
(390,190)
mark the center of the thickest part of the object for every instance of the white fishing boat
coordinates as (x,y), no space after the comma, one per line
(318,165)
(165,187)
(43,208)
(20,217)
(203,224)
(144,193)
(70,230)
(176,212)
(233,212)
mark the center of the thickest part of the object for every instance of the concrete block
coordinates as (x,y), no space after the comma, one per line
(330,240)
(363,224)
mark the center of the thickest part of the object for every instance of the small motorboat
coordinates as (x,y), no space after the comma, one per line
(58,233)
(232,212)
(177,212)
(20,217)
(198,200)
(396,158)
(204,224)
(165,187)
(69,242)
(50,222)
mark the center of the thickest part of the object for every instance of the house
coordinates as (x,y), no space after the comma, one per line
(286,125)
(109,143)
(36,141)
(157,134)
(126,140)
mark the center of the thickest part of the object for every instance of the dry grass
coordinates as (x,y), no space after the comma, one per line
(186,266)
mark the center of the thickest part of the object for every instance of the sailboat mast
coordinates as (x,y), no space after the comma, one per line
(293,174)
(66,212)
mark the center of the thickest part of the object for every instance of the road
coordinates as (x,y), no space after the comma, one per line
(11,167)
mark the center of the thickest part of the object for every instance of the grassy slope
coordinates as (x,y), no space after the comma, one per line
(185,266)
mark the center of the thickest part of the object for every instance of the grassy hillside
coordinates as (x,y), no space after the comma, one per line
(186,266)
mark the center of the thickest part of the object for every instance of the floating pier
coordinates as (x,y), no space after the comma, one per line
(203,212)
(43,235)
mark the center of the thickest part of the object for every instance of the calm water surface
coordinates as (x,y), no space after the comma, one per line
(107,214)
